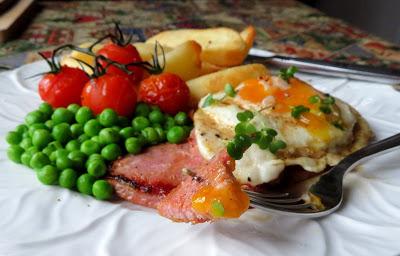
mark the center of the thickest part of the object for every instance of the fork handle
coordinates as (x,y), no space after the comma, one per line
(377,148)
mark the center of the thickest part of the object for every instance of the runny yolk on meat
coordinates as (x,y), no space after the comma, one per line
(225,201)
(297,93)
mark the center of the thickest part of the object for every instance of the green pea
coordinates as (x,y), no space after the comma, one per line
(85,183)
(21,129)
(41,138)
(127,132)
(39,160)
(26,158)
(92,127)
(90,147)
(32,150)
(73,108)
(96,168)
(62,115)
(13,138)
(108,136)
(133,145)
(156,117)
(83,115)
(48,150)
(61,133)
(150,135)
(139,123)
(35,127)
(76,130)
(49,124)
(234,150)
(53,156)
(111,152)
(55,145)
(46,109)
(123,121)
(108,117)
(82,138)
(35,117)
(97,139)
(26,135)
(182,118)
(73,145)
(78,159)
(176,134)
(64,162)
(169,123)
(62,152)
(48,175)
(142,109)
(26,143)
(161,134)
(95,156)
(102,190)
(68,178)
(14,153)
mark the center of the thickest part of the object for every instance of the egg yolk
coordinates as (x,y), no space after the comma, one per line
(232,201)
(298,93)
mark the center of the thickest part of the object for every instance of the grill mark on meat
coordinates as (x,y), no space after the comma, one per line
(158,189)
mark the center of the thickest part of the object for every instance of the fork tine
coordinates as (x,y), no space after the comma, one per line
(267,195)
(264,203)
(278,200)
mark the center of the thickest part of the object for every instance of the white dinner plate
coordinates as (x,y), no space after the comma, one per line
(48,220)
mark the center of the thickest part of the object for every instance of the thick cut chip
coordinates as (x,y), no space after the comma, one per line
(215,82)
(220,46)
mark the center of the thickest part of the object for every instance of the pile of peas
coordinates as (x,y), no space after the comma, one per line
(72,147)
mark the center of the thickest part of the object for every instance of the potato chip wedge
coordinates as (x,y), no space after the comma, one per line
(220,46)
(147,50)
(70,59)
(214,82)
(183,60)
(248,35)
(207,68)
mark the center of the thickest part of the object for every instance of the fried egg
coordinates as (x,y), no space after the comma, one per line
(315,139)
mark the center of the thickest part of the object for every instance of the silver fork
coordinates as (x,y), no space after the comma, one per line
(325,191)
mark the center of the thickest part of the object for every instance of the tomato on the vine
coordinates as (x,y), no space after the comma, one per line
(63,86)
(166,90)
(123,52)
(110,91)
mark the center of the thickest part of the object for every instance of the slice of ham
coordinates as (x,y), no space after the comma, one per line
(155,179)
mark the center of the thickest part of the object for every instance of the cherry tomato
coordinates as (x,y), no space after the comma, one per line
(64,87)
(166,90)
(110,91)
(123,55)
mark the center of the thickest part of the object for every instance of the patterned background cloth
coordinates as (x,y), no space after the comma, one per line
(283,26)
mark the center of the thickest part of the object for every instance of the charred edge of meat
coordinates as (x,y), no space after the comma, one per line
(131,183)
(157,189)
(192,174)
